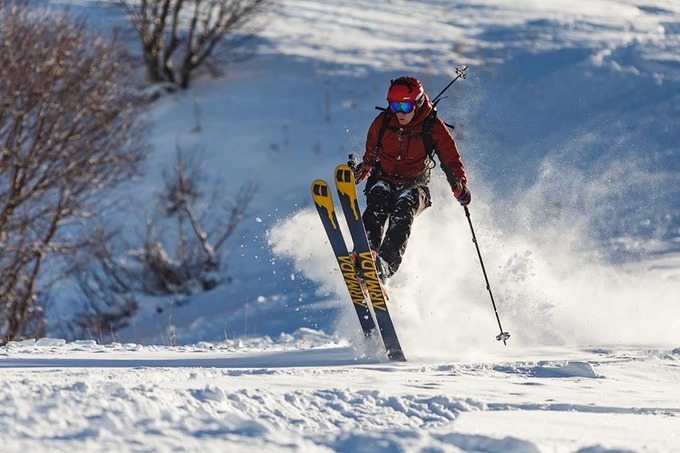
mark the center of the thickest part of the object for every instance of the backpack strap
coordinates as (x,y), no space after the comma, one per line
(426,132)
(383,126)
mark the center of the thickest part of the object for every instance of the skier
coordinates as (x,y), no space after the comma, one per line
(396,166)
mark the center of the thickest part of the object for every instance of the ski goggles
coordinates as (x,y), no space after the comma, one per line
(403,107)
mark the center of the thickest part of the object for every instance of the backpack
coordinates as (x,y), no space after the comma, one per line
(425,132)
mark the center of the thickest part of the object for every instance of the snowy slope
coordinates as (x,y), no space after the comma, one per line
(317,395)
(568,128)
(566,125)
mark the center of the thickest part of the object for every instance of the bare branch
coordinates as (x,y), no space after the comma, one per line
(164,29)
(68,133)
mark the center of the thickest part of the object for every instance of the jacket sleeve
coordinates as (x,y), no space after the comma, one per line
(448,154)
(371,153)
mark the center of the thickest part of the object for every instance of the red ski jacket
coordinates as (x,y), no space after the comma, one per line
(402,155)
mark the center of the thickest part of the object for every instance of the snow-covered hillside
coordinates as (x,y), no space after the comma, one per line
(567,125)
(309,393)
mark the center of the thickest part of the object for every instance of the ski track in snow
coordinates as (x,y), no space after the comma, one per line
(320,396)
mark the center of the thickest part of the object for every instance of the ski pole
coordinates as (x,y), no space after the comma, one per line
(503,335)
(461,73)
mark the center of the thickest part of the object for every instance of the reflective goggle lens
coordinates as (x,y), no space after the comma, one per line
(403,107)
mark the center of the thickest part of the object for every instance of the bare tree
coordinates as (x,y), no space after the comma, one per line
(204,225)
(69,131)
(169,261)
(180,36)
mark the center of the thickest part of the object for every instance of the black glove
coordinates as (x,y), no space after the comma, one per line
(462,194)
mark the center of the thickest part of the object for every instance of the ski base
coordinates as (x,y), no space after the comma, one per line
(346,188)
(324,206)
(360,275)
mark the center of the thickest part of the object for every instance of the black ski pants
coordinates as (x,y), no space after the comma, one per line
(393,206)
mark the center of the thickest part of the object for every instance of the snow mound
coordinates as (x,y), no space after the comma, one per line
(571,369)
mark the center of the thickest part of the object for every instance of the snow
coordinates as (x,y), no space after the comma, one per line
(318,395)
(567,125)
